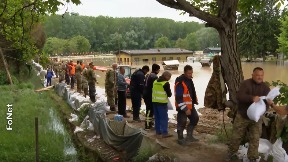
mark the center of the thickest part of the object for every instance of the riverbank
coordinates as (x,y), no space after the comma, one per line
(18,143)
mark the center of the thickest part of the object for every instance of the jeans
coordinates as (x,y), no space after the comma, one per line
(72,81)
(161,118)
(149,111)
(49,80)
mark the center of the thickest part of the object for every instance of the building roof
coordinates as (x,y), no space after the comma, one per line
(158,51)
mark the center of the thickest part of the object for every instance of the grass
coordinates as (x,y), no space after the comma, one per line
(19,143)
(221,137)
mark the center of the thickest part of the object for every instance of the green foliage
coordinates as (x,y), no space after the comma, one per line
(83,113)
(107,34)
(56,46)
(19,17)
(162,42)
(257,31)
(282,39)
(282,99)
(4,79)
(181,43)
(143,155)
(192,41)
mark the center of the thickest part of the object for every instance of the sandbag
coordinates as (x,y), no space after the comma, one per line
(279,154)
(257,109)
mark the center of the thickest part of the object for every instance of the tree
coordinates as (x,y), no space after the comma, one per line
(256,32)
(207,37)
(283,37)
(181,43)
(191,40)
(162,42)
(221,15)
(82,44)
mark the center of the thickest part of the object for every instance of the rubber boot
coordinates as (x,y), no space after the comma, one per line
(189,137)
(181,140)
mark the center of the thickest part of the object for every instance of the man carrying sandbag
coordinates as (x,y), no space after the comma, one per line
(250,91)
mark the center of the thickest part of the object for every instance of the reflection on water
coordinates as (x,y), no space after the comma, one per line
(201,76)
(56,125)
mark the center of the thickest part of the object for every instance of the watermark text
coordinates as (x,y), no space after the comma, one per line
(9,117)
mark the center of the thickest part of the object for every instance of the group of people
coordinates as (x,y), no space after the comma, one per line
(84,76)
(156,92)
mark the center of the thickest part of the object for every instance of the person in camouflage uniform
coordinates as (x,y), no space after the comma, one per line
(78,76)
(91,78)
(56,68)
(84,82)
(110,86)
(62,72)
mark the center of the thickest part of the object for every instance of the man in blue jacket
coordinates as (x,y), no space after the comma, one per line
(185,98)
(136,90)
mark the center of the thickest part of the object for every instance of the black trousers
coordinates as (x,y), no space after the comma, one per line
(122,103)
(136,103)
(92,91)
(72,81)
(182,119)
(67,79)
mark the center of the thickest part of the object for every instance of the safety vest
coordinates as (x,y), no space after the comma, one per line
(159,95)
(187,100)
(72,71)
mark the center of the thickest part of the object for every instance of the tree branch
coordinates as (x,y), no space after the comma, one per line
(193,11)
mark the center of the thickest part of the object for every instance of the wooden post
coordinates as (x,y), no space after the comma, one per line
(6,66)
(36,141)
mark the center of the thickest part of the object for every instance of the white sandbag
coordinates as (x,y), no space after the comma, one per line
(78,129)
(273,93)
(82,106)
(242,152)
(73,118)
(265,147)
(279,154)
(90,126)
(257,109)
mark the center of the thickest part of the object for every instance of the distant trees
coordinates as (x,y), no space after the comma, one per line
(107,34)
(77,44)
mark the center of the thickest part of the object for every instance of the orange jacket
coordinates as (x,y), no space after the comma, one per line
(187,100)
(72,69)
(83,66)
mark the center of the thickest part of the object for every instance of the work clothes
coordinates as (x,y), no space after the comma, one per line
(78,71)
(147,96)
(242,124)
(136,90)
(110,87)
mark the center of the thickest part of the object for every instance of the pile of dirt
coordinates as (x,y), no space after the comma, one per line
(211,120)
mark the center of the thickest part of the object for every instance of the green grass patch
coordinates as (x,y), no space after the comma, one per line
(19,143)
(221,136)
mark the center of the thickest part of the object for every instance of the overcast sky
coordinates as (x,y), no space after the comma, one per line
(127,8)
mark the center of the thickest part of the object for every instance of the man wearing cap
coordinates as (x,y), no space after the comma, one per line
(91,78)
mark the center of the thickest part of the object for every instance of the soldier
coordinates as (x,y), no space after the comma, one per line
(78,71)
(91,78)
(62,72)
(110,86)
(84,82)
(56,68)
(67,71)
(249,92)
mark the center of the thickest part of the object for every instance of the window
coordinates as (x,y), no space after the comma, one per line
(145,60)
(136,59)
(128,60)
(170,58)
(153,59)
(125,60)
(120,60)
(163,58)
(178,58)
